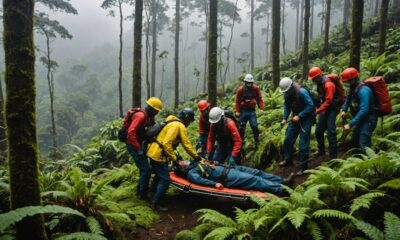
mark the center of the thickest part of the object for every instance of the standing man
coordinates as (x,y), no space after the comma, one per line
(204,125)
(136,121)
(365,114)
(298,101)
(161,151)
(248,97)
(225,132)
(331,92)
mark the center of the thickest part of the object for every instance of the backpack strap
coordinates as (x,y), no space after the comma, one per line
(359,86)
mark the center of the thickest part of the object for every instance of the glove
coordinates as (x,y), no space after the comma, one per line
(232,161)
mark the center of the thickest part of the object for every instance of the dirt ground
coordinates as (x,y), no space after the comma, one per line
(182,206)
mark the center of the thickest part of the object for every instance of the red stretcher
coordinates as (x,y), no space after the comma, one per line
(231,193)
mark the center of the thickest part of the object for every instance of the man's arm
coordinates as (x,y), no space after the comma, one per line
(237,101)
(260,101)
(136,123)
(236,139)
(194,176)
(186,142)
(310,108)
(211,139)
(365,96)
(329,94)
(169,139)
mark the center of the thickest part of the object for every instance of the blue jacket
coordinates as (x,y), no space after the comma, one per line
(306,104)
(365,103)
(204,175)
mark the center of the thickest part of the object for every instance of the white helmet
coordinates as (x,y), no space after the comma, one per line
(248,78)
(215,114)
(285,84)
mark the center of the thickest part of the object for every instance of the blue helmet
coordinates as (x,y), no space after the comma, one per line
(186,114)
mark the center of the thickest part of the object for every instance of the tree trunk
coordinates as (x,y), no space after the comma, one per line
(301,22)
(346,14)
(229,46)
(21,115)
(153,47)
(206,50)
(252,37)
(50,83)
(377,7)
(147,51)
(176,59)
(297,25)
(283,28)
(356,29)
(383,26)
(267,40)
(212,52)
(312,20)
(137,54)
(121,30)
(276,22)
(327,23)
(306,37)
(322,17)
(3,143)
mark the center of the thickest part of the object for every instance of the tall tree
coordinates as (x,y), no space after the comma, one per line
(176,58)
(21,115)
(283,28)
(212,52)
(327,23)
(383,25)
(147,33)
(356,30)
(301,22)
(107,4)
(306,37)
(3,143)
(276,24)
(264,11)
(137,54)
(50,29)
(154,10)
(312,20)
(346,13)
(252,35)
(295,4)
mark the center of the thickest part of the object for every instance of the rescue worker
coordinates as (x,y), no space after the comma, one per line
(365,115)
(220,176)
(162,150)
(298,101)
(204,125)
(224,131)
(139,120)
(332,98)
(248,97)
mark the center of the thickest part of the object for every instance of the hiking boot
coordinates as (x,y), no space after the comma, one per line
(285,163)
(300,172)
(158,208)
(289,180)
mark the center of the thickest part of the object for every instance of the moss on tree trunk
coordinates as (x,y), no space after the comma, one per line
(356,30)
(276,23)
(20,113)
(212,52)
(137,54)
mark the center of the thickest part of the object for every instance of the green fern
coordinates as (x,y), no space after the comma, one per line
(212,216)
(314,230)
(94,225)
(331,213)
(392,226)
(298,216)
(79,236)
(393,184)
(364,201)
(186,235)
(221,233)
(14,216)
(371,231)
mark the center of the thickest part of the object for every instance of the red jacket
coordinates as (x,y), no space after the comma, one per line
(329,90)
(136,130)
(204,125)
(254,98)
(229,135)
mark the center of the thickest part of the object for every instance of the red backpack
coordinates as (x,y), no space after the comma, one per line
(338,86)
(381,93)
(123,131)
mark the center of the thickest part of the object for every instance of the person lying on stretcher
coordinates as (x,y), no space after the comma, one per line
(241,177)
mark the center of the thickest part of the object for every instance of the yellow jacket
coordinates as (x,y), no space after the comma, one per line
(170,136)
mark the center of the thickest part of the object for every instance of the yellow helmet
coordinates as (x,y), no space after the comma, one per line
(154,103)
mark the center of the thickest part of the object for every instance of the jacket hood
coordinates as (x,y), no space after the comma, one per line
(172,117)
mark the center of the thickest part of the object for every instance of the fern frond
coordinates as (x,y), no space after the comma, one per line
(392,226)
(298,216)
(203,229)
(79,236)
(393,184)
(212,216)
(186,235)
(94,225)
(221,233)
(331,213)
(260,221)
(14,216)
(364,201)
(314,230)
(258,200)
(371,231)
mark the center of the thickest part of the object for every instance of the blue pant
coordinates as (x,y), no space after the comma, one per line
(292,132)
(362,132)
(249,178)
(327,121)
(247,115)
(162,174)
(222,153)
(203,143)
(142,164)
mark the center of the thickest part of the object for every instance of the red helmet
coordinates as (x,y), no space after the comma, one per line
(349,73)
(202,105)
(314,72)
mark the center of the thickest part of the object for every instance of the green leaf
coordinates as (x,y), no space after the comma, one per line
(331,213)
(392,226)
(315,230)
(221,233)
(94,225)
(371,231)
(393,184)
(297,216)
(79,236)
(212,216)
(14,216)
(364,201)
